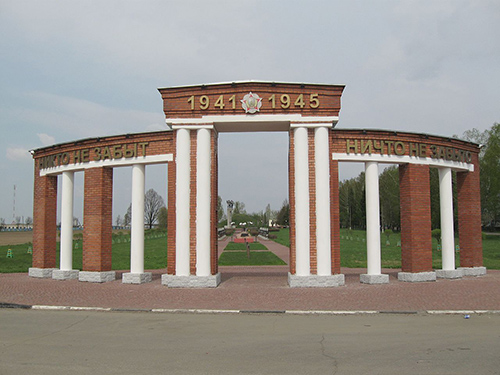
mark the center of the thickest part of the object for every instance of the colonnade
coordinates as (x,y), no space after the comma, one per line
(374,272)
(65,270)
(314,216)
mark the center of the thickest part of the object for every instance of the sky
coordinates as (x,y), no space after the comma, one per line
(78,69)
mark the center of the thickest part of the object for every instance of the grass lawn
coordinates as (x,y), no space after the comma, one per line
(353,249)
(155,254)
(282,237)
(237,256)
(352,252)
(242,246)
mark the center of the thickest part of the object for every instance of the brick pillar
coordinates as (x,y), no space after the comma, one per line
(313,253)
(215,194)
(291,195)
(171,218)
(44,222)
(415,203)
(469,217)
(97,219)
(192,205)
(335,214)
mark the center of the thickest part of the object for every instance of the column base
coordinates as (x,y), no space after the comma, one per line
(416,277)
(315,281)
(65,274)
(96,277)
(374,279)
(473,271)
(41,273)
(174,281)
(137,278)
(449,274)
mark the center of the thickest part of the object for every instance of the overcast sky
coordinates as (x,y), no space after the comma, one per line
(78,69)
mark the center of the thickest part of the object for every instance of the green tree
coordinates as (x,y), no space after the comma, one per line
(220,209)
(284,214)
(489,163)
(389,198)
(239,208)
(490,177)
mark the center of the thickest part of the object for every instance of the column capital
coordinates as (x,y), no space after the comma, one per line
(312,125)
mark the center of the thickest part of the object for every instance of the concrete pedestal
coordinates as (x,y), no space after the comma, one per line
(97,277)
(315,281)
(449,274)
(137,278)
(416,277)
(65,274)
(374,279)
(473,271)
(174,281)
(41,273)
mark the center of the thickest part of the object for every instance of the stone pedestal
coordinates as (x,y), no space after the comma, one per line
(374,279)
(137,278)
(473,271)
(65,274)
(449,274)
(42,273)
(174,281)
(416,277)
(97,277)
(315,281)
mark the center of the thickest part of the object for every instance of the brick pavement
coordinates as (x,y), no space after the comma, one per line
(260,288)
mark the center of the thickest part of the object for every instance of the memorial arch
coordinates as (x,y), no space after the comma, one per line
(195,115)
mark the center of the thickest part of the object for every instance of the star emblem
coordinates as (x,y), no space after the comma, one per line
(251,103)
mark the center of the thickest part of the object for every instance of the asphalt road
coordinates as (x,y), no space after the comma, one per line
(65,342)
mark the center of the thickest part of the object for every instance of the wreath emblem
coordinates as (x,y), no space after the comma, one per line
(251,103)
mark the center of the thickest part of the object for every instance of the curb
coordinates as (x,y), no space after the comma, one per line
(6,305)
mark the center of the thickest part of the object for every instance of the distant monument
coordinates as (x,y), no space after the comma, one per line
(230,205)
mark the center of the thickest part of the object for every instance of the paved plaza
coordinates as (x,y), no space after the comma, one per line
(261,288)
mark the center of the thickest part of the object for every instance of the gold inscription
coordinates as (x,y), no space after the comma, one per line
(421,150)
(284,101)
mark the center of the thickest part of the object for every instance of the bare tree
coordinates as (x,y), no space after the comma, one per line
(128,216)
(163,218)
(153,202)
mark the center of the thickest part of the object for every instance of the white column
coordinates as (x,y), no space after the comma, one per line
(372,219)
(137,220)
(66,245)
(182,191)
(323,228)
(446,209)
(302,231)
(203,195)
